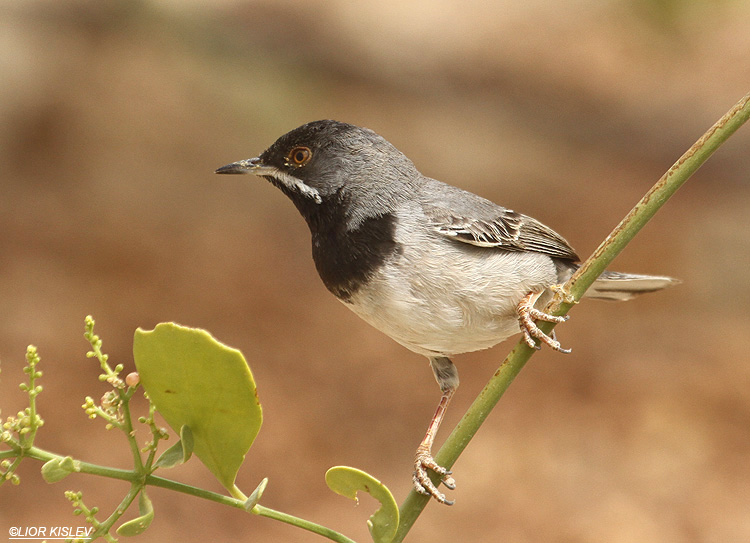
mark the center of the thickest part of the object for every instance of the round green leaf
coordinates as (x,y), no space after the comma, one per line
(198,382)
(348,481)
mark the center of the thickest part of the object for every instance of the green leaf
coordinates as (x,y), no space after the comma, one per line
(188,444)
(348,481)
(138,525)
(58,469)
(180,452)
(198,382)
(254,498)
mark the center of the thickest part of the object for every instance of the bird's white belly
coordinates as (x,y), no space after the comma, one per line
(458,301)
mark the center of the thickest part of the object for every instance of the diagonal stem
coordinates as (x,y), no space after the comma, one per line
(572,291)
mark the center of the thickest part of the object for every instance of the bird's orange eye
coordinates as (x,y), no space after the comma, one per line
(299,156)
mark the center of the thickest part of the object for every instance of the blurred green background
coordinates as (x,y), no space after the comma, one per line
(113,116)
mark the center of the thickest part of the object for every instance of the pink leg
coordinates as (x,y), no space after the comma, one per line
(424,460)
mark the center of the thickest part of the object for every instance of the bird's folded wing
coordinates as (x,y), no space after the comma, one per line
(508,230)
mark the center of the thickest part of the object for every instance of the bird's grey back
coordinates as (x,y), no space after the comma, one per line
(472,219)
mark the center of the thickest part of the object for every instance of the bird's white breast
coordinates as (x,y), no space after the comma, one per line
(439,296)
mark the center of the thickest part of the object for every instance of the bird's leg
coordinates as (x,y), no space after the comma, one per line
(527,314)
(447,377)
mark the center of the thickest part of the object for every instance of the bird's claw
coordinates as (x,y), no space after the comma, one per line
(527,314)
(422,482)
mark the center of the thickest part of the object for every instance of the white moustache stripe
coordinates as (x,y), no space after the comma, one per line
(293,183)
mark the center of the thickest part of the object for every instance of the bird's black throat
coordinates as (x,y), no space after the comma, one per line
(346,253)
(347,258)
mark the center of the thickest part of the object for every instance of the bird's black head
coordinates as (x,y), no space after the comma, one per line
(330,163)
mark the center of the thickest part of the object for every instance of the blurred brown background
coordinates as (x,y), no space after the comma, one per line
(113,116)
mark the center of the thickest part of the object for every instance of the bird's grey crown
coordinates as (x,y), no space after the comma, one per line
(351,167)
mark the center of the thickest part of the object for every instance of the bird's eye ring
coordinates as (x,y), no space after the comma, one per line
(299,156)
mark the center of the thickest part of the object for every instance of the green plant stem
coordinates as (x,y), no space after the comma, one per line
(127,425)
(664,188)
(106,525)
(85,467)
(10,453)
(256,510)
(133,477)
(301,523)
(573,290)
(155,437)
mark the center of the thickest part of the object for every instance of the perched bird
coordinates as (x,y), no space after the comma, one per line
(440,270)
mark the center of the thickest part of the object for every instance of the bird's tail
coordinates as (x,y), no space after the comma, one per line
(615,285)
(624,286)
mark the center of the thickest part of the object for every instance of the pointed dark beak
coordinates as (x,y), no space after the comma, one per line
(250,165)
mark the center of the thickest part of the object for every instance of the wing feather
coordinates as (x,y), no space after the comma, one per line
(469,218)
(509,230)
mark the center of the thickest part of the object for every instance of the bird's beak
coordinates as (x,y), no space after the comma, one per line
(250,165)
(278,177)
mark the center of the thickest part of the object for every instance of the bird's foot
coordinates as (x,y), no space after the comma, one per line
(561,295)
(422,482)
(527,314)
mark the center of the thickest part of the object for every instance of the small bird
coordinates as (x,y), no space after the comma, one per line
(440,270)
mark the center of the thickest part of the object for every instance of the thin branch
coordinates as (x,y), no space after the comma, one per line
(573,291)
